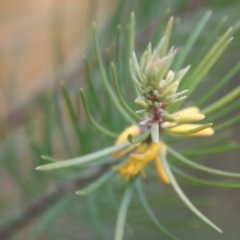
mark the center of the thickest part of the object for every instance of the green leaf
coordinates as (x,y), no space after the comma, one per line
(96,216)
(118,52)
(95,185)
(131,35)
(210,39)
(167,35)
(122,213)
(72,115)
(224,111)
(192,81)
(200,182)
(90,83)
(162,22)
(184,198)
(120,98)
(105,79)
(183,53)
(222,102)
(61,125)
(216,87)
(95,124)
(80,160)
(207,65)
(227,123)
(213,150)
(200,167)
(149,211)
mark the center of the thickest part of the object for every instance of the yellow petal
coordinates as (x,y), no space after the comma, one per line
(190,114)
(121,153)
(142,148)
(204,133)
(134,130)
(167,124)
(150,154)
(208,131)
(187,118)
(161,171)
(130,168)
(189,110)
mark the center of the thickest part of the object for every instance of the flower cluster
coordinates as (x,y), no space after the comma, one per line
(143,153)
(147,151)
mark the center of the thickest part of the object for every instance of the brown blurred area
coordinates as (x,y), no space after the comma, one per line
(39,38)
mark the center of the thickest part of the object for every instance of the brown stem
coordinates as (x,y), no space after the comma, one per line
(39,206)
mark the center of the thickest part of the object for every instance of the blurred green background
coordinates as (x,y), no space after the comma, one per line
(42,43)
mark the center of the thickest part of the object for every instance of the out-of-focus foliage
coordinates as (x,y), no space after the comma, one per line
(36,121)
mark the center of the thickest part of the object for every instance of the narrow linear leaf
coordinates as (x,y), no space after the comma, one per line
(150,213)
(204,66)
(105,80)
(208,65)
(61,125)
(183,53)
(91,85)
(210,40)
(201,167)
(221,42)
(227,123)
(120,98)
(167,35)
(112,197)
(222,102)
(73,117)
(95,185)
(131,42)
(47,127)
(96,217)
(200,182)
(158,33)
(216,87)
(213,150)
(118,53)
(80,160)
(184,198)
(122,213)
(95,124)
(224,111)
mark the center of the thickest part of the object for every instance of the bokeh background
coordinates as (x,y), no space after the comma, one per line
(42,43)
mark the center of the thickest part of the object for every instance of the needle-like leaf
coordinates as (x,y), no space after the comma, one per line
(184,198)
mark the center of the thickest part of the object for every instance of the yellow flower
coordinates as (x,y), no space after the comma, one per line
(184,123)
(141,154)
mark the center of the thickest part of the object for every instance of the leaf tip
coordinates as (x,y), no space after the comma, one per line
(79,193)
(38,168)
(209,13)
